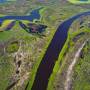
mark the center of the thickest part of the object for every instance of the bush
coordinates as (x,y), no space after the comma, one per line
(12,47)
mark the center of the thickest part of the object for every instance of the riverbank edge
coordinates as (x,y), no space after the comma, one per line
(36,65)
(61,56)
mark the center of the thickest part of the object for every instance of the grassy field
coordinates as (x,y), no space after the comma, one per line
(81,77)
(6,70)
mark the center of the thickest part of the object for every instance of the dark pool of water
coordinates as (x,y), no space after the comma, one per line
(46,66)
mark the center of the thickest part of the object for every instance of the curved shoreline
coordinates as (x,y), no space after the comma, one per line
(33,15)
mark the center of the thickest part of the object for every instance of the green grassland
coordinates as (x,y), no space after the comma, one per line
(6,70)
(81,77)
(17,34)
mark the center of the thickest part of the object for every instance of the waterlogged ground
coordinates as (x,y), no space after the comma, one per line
(21,52)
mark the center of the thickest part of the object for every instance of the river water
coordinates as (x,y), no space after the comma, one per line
(46,66)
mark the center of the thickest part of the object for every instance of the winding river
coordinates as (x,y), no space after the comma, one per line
(46,66)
